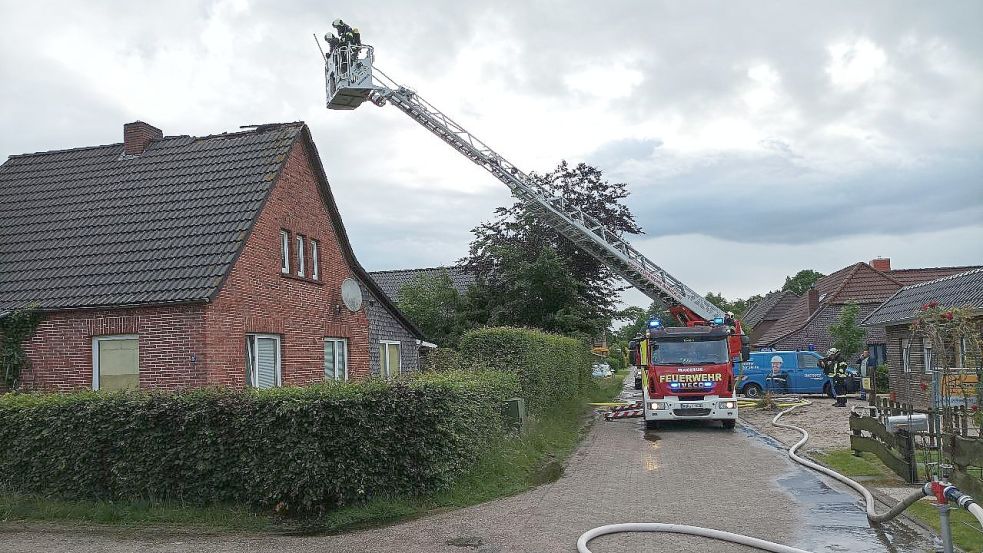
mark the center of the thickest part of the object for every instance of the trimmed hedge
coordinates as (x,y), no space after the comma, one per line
(294,449)
(551,368)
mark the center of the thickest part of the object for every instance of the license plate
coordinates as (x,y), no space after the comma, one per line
(688,405)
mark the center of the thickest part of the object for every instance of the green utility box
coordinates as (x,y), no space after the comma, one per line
(514,413)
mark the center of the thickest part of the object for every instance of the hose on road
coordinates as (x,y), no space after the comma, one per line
(953,494)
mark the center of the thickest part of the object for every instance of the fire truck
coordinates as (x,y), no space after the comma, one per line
(678,384)
(687,372)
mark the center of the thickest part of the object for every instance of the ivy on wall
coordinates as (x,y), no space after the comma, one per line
(16,327)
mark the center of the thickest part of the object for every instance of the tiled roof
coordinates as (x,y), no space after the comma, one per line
(858,283)
(393,281)
(769,308)
(914,276)
(91,227)
(959,290)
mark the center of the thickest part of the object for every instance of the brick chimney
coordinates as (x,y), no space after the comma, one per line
(138,135)
(813,296)
(881,263)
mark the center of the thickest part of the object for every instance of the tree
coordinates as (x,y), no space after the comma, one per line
(540,293)
(802,281)
(738,306)
(511,254)
(847,335)
(436,308)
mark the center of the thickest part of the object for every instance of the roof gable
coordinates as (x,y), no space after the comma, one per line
(92,227)
(770,308)
(392,282)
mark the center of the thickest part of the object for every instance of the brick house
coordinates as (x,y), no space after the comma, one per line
(762,315)
(806,323)
(180,261)
(909,355)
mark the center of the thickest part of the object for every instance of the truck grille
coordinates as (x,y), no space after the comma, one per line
(691,412)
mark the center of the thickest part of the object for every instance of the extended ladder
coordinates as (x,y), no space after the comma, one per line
(352,78)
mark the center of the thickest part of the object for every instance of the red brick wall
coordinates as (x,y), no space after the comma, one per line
(257,298)
(172,351)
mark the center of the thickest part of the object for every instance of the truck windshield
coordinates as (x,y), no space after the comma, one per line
(697,352)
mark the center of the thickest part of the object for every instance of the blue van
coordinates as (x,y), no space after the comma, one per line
(799,374)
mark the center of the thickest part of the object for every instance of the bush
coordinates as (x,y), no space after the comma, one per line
(294,449)
(551,368)
(441,360)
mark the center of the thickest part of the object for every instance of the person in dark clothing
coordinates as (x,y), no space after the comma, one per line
(834,367)
(356,37)
(333,43)
(343,29)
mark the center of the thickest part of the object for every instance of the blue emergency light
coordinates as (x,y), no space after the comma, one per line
(653,323)
(718,320)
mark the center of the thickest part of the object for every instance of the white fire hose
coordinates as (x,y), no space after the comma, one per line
(951,492)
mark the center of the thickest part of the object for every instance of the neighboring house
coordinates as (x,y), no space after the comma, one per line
(806,323)
(910,362)
(381,323)
(181,261)
(763,314)
(392,282)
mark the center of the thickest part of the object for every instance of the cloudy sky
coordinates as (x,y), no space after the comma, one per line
(757,138)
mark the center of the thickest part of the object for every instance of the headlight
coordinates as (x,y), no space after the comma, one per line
(656,406)
(728,404)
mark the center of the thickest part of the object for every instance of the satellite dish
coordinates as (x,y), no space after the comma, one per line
(351,294)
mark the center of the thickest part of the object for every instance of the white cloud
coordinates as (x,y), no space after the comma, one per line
(855,63)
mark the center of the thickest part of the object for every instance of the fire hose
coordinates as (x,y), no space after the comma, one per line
(940,491)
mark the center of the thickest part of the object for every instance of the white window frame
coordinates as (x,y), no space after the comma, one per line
(384,366)
(285,252)
(254,377)
(344,346)
(315,259)
(906,355)
(927,355)
(95,353)
(300,255)
(962,352)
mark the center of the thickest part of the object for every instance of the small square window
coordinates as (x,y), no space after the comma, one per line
(115,362)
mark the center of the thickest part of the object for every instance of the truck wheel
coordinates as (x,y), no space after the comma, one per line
(729,424)
(752,390)
(828,390)
(651,425)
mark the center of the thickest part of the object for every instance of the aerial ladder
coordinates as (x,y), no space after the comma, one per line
(351,78)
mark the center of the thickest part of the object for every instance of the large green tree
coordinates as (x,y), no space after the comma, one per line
(436,308)
(528,273)
(802,281)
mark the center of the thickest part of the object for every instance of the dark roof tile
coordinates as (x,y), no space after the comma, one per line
(959,290)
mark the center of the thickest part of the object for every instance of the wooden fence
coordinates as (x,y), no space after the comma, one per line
(897,450)
(950,429)
(967,459)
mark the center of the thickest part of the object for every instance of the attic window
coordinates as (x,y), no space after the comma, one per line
(315,271)
(822,297)
(284,252)
(300,255)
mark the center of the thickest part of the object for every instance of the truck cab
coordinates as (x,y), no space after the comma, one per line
(687,373)
(798,373)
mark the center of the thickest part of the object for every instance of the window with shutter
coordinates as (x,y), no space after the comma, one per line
(263,360)
(336,359)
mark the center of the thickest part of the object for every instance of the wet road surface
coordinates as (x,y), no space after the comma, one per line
(691,473)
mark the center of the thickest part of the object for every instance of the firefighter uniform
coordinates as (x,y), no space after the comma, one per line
(834,367)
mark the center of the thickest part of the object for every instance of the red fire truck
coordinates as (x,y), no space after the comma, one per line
(687,372)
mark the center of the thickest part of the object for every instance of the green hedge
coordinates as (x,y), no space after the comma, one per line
(295,449)
(551,368)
